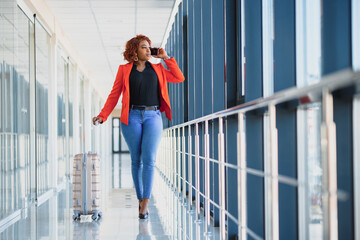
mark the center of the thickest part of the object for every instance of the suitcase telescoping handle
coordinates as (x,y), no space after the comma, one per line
(84,180)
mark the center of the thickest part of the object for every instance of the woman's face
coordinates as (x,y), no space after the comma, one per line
(143,52)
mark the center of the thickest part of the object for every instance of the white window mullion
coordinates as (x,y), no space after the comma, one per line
(243,59)
(268,49)
(267,181)
(268,90)
(355,33)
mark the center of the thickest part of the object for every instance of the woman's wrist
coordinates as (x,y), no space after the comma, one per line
(165,58)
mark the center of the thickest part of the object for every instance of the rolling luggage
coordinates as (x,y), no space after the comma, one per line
(86,186)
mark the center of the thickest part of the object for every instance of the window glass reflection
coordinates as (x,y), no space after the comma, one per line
(308,72)
(61,118)
(314,171)
(42,40)
(15,30)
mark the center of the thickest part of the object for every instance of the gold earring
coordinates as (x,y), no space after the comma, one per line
(136,59)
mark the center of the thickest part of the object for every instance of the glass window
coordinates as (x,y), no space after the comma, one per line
(71,85)
(308,42)
(308,70)
(42,42)
(116,134)
(81,116)
(14,108)
(94,130)
(61,116)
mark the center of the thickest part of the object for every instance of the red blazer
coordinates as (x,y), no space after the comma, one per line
(121,86)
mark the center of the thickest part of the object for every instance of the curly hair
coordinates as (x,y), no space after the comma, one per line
(132,46)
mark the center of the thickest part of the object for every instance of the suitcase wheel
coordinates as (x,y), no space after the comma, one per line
(96,215)
(76,216)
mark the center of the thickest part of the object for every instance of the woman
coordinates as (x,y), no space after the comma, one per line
(145,96)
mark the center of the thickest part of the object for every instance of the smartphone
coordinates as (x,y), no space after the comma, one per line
(154,51)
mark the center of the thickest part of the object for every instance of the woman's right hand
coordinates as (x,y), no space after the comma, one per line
(97,119)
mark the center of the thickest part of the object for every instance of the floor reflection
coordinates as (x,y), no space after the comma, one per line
(86,230)
(169,217)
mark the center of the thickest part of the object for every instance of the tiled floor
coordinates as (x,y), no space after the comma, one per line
(169,218)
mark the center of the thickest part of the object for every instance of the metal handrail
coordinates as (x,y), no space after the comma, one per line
(174,152)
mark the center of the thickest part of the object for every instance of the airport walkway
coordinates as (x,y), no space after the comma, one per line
(169,218)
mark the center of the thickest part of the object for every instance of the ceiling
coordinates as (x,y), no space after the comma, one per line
(99,29)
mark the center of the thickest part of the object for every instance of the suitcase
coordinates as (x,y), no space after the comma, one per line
(86,186)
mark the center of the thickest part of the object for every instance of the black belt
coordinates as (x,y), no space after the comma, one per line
(144,108)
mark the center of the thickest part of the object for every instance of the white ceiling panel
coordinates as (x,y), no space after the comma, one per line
(99,29)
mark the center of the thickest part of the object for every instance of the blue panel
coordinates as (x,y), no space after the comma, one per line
(185,69)
(336,51)
(171,85)
(287,156)
(286,125)
(181,63)
(191,61)
(176,55)
(284,77)
(255,186)
(207,64)
(255,204)
(254,142)
(284,45)
(231,53)
(218,89)
(231,89)
(336,42)
(231,157)
(253,50)
(240,97)
(218,58)
(198,59)
(288,226)
(343,121)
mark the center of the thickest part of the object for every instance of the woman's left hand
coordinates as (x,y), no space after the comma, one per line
(162,54)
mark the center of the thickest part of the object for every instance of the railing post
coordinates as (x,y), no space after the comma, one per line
(174,170)
(274,192)
(168,163)
(241,177)
(207,179)
(197,174)
(190,170)
(178,149)
(328,150)
(183,166)
(221,152)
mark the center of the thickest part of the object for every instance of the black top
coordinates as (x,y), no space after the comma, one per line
(144,87)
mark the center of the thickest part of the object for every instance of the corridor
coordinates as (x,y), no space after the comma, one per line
(169,218)
(248,111)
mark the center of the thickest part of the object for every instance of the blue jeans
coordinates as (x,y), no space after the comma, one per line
(143,135)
